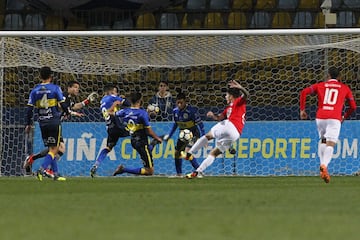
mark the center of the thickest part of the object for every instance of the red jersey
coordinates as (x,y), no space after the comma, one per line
(331,96)
(235,112)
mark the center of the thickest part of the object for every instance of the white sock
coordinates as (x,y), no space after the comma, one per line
(207,162)
(321,150)
(201,142)
(329,150)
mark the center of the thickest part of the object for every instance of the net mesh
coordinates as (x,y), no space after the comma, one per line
(274,68)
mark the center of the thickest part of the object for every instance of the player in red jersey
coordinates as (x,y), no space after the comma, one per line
(331,96)
(225,132)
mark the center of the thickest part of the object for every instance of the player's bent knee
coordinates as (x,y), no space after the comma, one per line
(209,136)
(62,148)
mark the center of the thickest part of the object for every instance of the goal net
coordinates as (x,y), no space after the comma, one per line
(274,65)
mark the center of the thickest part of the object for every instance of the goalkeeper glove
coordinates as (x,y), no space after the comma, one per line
(91,98)
(166,137)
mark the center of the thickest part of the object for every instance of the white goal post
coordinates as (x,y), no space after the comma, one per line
(272,64)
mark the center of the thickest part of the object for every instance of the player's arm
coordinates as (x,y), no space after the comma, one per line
(152,134)
(173,129)
(29,117)
(119,102)
(216,117)
(146,122)
(235,84)
(352,106)
(303,94)
(65,108)
(89,99)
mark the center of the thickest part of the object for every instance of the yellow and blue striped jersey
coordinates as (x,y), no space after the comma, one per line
(45,98)
(136,120)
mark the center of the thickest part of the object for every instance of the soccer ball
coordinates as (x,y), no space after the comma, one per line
(185,135)
(152,109)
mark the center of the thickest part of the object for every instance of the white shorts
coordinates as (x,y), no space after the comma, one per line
(225,133)
(329,129)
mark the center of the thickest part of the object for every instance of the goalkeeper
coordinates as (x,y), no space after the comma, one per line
(73,88)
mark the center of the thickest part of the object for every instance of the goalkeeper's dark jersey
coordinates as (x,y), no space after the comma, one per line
(45,98)
(137,121)
(69,100)
(188,118)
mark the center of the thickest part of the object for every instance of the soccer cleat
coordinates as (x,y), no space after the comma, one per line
(186,156)
(48,173)
(192,175)
(28,161)
(39,175)
(232,150)
(58,178)
(200,175)
(324,174)
(93,171)
(119,170)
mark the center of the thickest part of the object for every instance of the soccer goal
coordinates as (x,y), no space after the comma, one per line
(272,64)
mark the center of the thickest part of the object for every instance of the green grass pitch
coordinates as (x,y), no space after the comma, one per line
(280,208)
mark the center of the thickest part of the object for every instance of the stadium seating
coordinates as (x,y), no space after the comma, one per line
(13,21)
(303,19)
(260,19)
(345,19)
(242,4)
(192,21)
(237,20)
(265,4)
(219,4)
(34,22)
(319,20)
(281,20)
(196,4)
(146,21)
(169,21)
(74,24)
(125,24)
(309,4)
(54,23)
(2,7)
(197,75)
(175,75)
(219,75)
(214,20)
(288,4)
(335,4)
(351,3)
(15,5)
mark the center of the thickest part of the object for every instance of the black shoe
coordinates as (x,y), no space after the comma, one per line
(119,170)
(93,171)
(39,174)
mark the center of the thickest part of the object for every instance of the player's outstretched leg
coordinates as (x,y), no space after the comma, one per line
(119,170)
